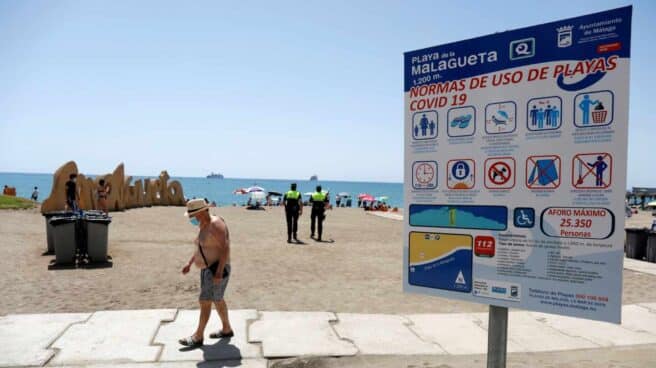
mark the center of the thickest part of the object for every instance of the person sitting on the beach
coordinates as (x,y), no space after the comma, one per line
(35,194)
(102,193)
(212,256)
(72,195)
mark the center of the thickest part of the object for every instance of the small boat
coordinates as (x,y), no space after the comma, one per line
(215,176)
(314,178)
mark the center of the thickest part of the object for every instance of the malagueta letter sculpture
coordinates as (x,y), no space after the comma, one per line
(123,195)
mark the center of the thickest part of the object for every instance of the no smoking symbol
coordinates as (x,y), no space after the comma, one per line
(499,173)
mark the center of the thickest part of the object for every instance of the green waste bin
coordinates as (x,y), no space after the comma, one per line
(64,239)
(650,253)
(50,249)
(97,231)
(636,243)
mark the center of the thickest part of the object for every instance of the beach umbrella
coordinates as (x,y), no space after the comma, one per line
(254,189)
(367,198)
(240,191)
(362,195)
(651,204)
(382,198)
(275,194)
(344,194)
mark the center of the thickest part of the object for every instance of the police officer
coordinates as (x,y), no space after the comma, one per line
(318,200)
(293,209)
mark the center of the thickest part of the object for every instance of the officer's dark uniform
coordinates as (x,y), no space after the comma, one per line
(318,200)
(292,202)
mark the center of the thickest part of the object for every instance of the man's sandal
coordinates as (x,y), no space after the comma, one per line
(222,335)
(189,341)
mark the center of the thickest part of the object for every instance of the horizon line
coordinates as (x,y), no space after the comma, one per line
(225,177)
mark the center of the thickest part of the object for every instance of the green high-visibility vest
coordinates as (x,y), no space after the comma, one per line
(293,194)
(318,196)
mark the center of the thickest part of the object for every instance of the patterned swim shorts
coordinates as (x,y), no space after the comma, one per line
(210,291)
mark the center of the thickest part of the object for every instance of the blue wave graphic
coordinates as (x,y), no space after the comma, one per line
(459,217)
(583,83)
(443,272)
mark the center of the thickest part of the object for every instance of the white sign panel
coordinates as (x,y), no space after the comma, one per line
(515,167)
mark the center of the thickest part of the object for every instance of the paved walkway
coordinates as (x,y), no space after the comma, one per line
(387,215)
(148,338)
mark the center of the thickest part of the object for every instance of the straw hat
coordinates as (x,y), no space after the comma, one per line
(195,206)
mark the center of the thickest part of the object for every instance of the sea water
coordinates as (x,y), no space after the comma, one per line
(221,190)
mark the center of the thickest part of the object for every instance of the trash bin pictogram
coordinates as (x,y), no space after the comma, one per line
(599,114)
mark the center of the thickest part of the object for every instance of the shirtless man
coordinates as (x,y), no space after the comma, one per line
(212,256)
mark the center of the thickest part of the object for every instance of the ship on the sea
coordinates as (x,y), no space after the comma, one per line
(314,178)
(215,176)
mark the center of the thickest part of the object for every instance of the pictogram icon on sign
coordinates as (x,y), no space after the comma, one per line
(592,170)
(424,175)
(524,217)
(460,174)
(500,173)
(484,246)
(543,172)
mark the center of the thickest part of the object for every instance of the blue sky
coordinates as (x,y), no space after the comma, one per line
(251,89)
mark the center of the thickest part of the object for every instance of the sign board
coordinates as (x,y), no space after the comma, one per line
(515,167)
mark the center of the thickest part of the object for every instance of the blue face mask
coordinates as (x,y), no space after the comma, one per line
(194,221)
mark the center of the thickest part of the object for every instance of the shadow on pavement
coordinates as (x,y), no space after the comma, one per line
(220,354)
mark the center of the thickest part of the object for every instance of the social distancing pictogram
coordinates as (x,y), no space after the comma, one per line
(592,170)
(543,172)
(499,173)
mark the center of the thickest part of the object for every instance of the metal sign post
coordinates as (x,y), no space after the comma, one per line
(497,337)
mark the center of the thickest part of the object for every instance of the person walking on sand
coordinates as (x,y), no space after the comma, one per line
(212,256)
(319,199)
(72,194)
(102,192)
(293,209)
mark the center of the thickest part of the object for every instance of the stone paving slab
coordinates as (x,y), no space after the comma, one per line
(455,333)
(638,318)
(640,266)
(112,336)
(246,363)
(601,333)
(24,338)
(214,349)
(287,334)
(649,306)
(535,336)
(382,334)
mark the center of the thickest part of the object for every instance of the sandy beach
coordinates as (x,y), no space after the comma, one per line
(360,272)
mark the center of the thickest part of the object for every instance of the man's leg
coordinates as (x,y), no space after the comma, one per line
(320,225)
(295,225)
(205,310)
(313,218)
(222,309)
(288,216)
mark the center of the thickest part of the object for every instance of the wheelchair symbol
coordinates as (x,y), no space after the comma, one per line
(524,217)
